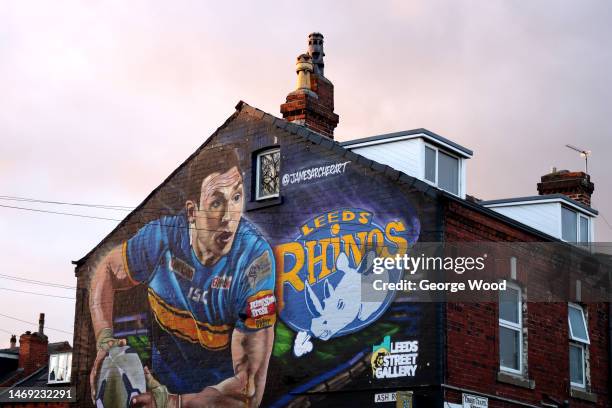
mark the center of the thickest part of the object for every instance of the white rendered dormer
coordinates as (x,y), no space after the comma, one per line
(555,214)
(420,154)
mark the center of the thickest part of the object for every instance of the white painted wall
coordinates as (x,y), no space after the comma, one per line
(403,155)
(545,217)
(407,156)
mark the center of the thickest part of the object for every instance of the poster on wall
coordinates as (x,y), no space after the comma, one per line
(265,307)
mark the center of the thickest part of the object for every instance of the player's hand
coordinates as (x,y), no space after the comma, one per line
(105,342)
(157,395)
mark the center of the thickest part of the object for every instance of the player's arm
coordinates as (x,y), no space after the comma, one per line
(109,275)
(250,355)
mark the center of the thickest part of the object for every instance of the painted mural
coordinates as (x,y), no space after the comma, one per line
(259,308)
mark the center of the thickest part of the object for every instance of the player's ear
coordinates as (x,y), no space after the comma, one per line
(190,208)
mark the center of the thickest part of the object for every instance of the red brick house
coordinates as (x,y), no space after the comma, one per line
(241,277)
(35,363)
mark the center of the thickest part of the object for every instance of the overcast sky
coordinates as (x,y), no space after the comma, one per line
(100,101)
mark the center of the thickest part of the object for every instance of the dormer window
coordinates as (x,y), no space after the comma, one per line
(575,227)
(60,366)
(267,174)
(442,169)
(421,154)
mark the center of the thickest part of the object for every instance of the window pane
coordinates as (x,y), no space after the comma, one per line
(448,173)
(430,164)
(509,348)
(509,305)
(568,224)
(576,364)
(68,367)
(269,168)
(53,368)
(61,368)
(577,324)
(584,229)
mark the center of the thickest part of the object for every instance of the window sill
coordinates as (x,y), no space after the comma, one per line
(515,379)
(269,202)
(583,394)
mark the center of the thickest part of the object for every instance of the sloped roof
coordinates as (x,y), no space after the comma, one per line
(39,377)
(317,138)
(51,347)
(293,129)
(537,198)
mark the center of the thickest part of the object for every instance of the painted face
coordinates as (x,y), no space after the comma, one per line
(216,216)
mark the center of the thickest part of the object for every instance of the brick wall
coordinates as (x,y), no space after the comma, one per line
(364,187)
(472,329)
(33,352)
(472,342)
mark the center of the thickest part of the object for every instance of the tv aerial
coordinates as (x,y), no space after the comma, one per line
(584,154)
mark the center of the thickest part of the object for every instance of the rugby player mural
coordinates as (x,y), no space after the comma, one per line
(210,280)
(203,285)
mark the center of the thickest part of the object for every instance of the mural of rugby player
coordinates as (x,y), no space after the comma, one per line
(210,279)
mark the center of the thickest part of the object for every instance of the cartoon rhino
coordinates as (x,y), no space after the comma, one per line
(343,304)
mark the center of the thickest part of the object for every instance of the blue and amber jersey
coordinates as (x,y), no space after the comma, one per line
(196,307)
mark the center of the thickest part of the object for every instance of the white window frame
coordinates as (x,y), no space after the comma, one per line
(459,168)
(579,216)
(69,368)
(588,220)
(257,172)
(586,324)
(516,327)
(579,343)
(583,383)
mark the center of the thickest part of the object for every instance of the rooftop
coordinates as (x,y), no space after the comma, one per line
(540,198)
(390,137)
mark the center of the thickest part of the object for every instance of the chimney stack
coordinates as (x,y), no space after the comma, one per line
(33,349)
(311,104)
(41,323)
(13,341)
(576,185)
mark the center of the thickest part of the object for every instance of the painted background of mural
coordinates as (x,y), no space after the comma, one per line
(332,215)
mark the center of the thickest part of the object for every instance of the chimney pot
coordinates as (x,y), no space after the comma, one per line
(13,341)
(41,323)
(315,50)
(303,68)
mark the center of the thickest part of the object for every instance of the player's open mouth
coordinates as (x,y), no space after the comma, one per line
(223,238)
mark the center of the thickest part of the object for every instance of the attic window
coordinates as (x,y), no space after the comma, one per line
(442,169)
(267,174)
(60,366)
(574,226)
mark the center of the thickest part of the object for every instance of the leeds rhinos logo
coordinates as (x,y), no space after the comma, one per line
(320,274)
